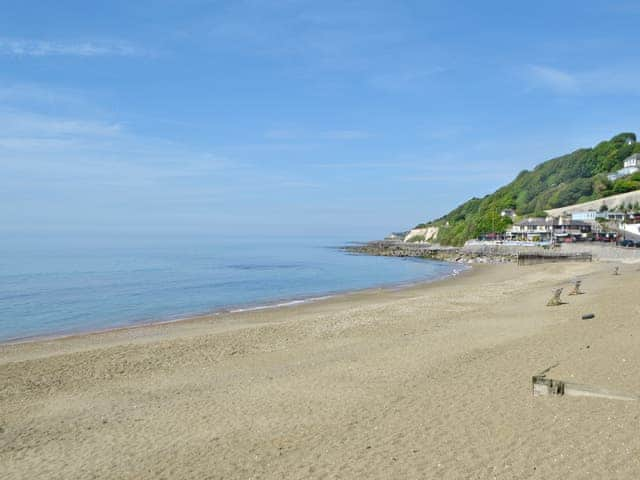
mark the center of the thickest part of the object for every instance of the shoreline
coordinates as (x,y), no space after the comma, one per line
(431,380)
(235,310)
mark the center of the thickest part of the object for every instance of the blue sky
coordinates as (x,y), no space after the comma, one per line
(321,118)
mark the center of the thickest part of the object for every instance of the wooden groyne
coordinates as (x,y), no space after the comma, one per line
(552,257)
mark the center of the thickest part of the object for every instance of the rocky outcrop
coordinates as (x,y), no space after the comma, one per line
(387,248)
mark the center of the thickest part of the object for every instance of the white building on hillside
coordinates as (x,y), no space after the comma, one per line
(585,216)
(631,165)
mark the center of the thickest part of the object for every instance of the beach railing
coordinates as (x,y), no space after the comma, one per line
(550,257)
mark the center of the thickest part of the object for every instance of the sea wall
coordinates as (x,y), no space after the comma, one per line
(611,203)
(600,251)
(502,250)
(604,252)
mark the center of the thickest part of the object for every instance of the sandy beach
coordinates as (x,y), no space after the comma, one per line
(431,381)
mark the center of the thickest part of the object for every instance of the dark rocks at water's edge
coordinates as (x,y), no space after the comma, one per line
(391,248)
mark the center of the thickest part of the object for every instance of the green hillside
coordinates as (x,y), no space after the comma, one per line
(577,177)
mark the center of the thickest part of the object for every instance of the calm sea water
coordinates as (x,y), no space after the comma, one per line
(62,289)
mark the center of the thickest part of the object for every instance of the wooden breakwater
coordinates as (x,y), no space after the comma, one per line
(552,257)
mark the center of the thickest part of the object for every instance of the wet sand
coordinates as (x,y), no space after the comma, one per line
(432,381)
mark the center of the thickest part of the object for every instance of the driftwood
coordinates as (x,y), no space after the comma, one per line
(555,299)
(576,288)
(542,386)
(588,316)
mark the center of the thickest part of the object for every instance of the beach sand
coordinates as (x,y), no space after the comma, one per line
(432,381)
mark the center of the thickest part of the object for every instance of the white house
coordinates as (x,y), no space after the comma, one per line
(632,161)
(631,165)
(532,229)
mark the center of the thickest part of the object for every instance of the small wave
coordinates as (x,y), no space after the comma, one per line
(289,303)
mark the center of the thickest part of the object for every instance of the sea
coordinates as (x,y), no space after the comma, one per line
(58,288)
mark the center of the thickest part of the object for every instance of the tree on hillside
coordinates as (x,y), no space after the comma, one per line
(573,178)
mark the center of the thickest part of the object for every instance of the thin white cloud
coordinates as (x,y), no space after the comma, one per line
(353,37)
(456,178)
(42,126)
(406,79)
(303,135)
(24,92)
(346,135)
(35,144)
(554,79)
(42,48)
(281,134)
(620,80)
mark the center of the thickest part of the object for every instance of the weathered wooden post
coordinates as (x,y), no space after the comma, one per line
(542,386)
(576,288)
(555,300)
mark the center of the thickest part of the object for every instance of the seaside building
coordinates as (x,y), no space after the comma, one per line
(532,230)
(549,229)
(631,165)
(570,229)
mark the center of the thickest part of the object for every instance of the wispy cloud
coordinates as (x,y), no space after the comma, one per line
(348,37)
(282,134)
(34,97)
(42,48)
(456,179)
(613,80)
(34,144)
(345,135)
(621,7)
(42,126)
(553,79)
(25,92)
(406,79)
(303,135)
(62,151)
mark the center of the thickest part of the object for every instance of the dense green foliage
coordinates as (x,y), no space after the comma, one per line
(577,177)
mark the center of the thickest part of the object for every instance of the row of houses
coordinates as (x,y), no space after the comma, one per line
(549,229)
(583,225)
(570,227)
(537,229)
